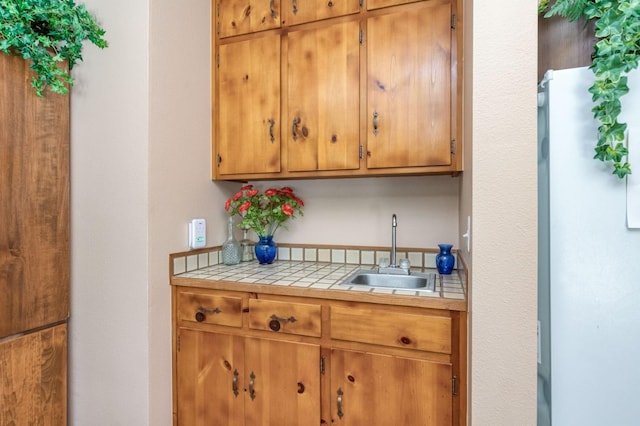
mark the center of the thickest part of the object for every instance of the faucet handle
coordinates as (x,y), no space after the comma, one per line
(405,264)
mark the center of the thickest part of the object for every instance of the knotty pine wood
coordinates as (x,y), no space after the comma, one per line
(379,389)
(267,168)
(284,390)
(33,374)
(294,318)
(249,100)
(409,89)
(34,202)
(323,76)
(371,366)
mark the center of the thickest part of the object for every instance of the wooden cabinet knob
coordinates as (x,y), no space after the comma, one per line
(274,325)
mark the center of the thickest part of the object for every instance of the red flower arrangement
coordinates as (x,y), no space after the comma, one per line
(264,212)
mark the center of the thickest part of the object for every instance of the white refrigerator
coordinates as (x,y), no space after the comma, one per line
(589,261)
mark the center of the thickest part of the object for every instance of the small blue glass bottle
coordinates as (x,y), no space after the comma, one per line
(445,260)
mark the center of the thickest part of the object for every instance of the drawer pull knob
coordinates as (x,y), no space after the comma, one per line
(282,319)
(405,340)
(200,317)
(274,325)
(300,387)
(209,311)
(277,321)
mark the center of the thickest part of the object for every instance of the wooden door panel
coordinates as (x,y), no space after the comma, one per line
(33,373)
(286,383)
(301,11)
(249,106)
(237,17)
(207,364)
(34,202)
(409,88)
(323,98)
(423,332)
(377,389)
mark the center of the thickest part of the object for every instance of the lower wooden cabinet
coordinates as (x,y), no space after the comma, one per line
(304,361)
(377,389)
(226,379)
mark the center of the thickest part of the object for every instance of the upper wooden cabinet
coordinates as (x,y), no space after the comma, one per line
(249,107)
(323,98)
(301,11)
(336,89)
(237,17)
(408,89)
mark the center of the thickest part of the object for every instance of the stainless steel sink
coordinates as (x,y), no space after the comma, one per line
(371,278)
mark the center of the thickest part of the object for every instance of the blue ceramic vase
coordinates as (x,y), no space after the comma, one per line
(266,249)
(444,259)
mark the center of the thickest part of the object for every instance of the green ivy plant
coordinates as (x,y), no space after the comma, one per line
(616,52)
(49,33)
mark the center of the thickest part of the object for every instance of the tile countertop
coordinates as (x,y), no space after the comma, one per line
(311,274)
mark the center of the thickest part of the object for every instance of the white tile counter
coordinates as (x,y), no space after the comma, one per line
(317,272)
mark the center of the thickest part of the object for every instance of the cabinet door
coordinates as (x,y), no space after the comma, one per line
(34,202)
(283,383)
(323,98)
(236,17)
(301,11)
(409,88)
(210,376)
(374,389)
(249,106)
(33,373)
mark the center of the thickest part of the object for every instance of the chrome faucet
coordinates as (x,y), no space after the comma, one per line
(394,224)
(393,268)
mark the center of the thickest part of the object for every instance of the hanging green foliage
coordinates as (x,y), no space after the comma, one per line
(616,53)
(49,33)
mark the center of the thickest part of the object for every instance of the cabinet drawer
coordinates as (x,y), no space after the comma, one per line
(210,309)
(284,317)
(422,332)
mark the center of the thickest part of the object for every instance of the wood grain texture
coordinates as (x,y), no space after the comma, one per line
(294,318)
(237,17)
(323,76)
(563,44)
(380,389)
(249,105)
(33,373)
(34,202)
(409,88)
(377,326)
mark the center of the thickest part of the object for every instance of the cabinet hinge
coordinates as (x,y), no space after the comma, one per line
(217,60)
(361,3)
(453,21)
(218,9)
(361,37)
(322,364)
(453,146)
(361,152)
(178,344)
(219,160)
(454,385)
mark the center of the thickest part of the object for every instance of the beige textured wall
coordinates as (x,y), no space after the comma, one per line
(108,350)
(504,205)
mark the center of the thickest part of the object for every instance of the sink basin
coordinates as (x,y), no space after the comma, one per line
(371,278)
